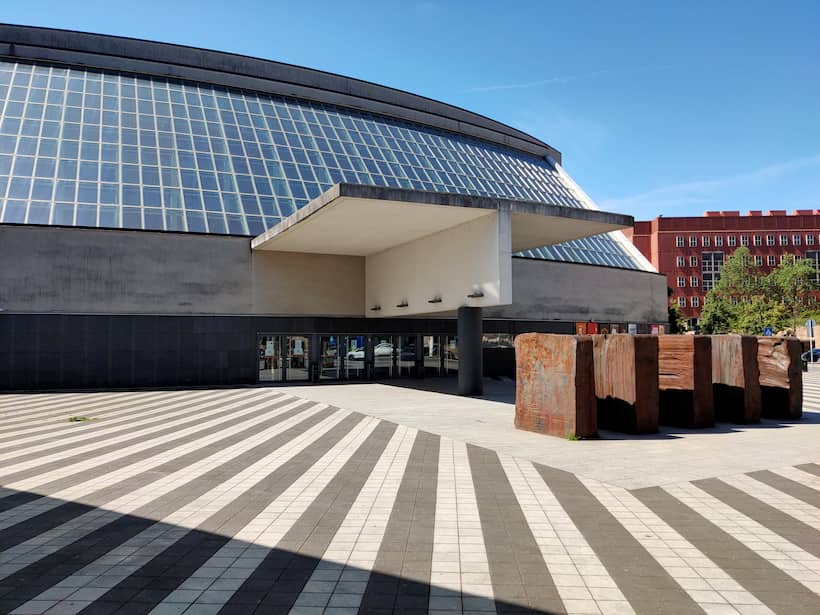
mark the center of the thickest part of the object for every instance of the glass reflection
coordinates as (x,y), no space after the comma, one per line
(247,159)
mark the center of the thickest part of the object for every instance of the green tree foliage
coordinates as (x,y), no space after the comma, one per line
(718,314)
(745,301)
(793,280)
(677,322)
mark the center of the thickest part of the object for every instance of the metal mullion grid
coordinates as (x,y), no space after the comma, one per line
(175,148)
(259,146)
(80,150)
(150,83)
(26,103)
(14,153)
(229,157)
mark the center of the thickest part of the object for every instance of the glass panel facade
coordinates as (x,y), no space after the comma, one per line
(86,148)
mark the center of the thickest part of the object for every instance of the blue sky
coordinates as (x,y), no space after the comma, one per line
(667,108)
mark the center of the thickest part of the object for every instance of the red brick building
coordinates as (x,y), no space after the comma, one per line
(692,250)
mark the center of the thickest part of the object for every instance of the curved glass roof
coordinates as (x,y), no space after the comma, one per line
(97,149)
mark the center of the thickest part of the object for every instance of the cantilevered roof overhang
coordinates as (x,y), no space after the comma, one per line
(358,220)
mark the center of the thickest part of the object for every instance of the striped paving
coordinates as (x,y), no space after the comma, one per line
(258,501)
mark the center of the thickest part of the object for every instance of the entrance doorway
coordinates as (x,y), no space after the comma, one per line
(270,358)
(383,356)
(329,357)
(354,357)
(297,358)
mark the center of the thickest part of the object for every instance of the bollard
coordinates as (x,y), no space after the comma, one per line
(555,389)
(626,382)
(685,381)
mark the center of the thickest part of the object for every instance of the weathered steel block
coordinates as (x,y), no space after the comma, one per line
(626,382)
(736,378)
(555,390)
(685,381)
(781,377)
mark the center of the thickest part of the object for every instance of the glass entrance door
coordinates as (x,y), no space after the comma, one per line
(329,359)
(431,352)
(269,358)
(451,355)
(297,357)
(354,351)
(383,356)
(407,355)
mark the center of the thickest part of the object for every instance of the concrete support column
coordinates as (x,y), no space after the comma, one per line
(470,357)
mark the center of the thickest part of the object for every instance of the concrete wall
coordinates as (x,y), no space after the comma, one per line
(48,269)
(437,265)
(310,284)
(98,271)
(547,290)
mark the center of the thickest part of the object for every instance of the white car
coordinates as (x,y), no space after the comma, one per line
(382,349)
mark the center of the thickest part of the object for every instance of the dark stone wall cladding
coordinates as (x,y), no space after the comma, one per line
(55,351)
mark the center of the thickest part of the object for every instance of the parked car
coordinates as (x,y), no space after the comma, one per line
(814,353)
(380,350)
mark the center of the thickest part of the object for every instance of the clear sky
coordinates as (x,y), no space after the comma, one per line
(669,108)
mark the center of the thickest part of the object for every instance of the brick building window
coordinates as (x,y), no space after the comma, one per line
(771,260)
(682,302)
(693,280)
(809,240)
(693,261)
(693,241)
(680,261)
(795,240)
(732,240)
(705,241)
(758,240)
(769,240)
(681,281)
(695,301)
(813,257)
(719,241)
(711,264)
(679,241)
(784,240)
(744,240)
(758,260)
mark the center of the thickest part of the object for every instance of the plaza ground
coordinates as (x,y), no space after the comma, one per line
(381,498)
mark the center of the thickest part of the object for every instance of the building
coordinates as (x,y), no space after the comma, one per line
(692,250)
(177,216)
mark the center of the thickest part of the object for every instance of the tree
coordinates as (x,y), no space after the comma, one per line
(739,278)
(677,322)
(718,314)
(791,282)
(753,316)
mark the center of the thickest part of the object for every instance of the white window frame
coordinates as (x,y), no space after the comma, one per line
(795,240)
(771,260)
(718,241)
(693,280)
(769,240)
(693,261)
(681,261)
(705,241)
(682,302)
(758,260)
(784,240)
(681,281)
(744,240)
(731,240)
(809,240)
(695,302)
(680,241)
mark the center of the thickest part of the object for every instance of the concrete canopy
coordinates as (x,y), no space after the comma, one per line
(429,252)
(361,220)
